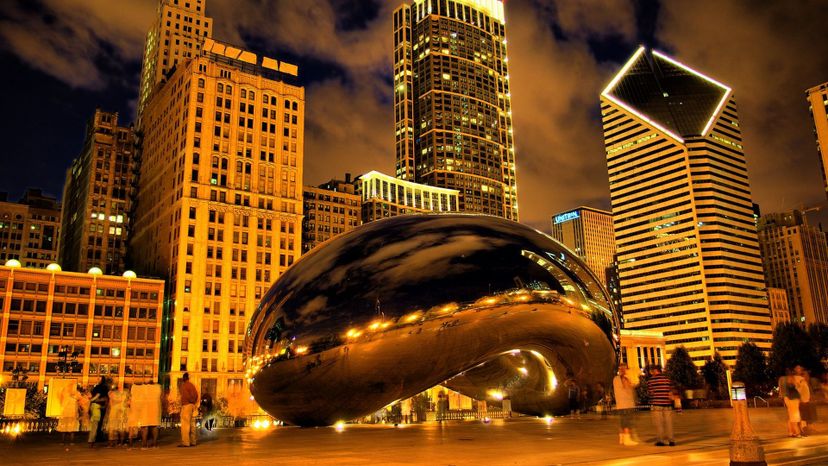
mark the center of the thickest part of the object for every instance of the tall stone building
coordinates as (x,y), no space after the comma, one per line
(588,232)
(817,97)
(29,229)
(176,36)
(795,256)
(688,252)
(98,198)
(452,104)
(220,202)
(330,209)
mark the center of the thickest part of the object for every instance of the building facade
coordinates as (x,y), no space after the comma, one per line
(640,349)
(177,34)
(329,209)
(778,300)
(688,252)
(82,325)
(795,256)
(220,202)
(452,104)
(817,97)
(98,198)
(384,196)
(29,229)
(588,233)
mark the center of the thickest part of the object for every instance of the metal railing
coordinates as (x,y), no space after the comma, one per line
(755,398)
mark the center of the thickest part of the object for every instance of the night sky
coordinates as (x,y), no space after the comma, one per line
(62,58)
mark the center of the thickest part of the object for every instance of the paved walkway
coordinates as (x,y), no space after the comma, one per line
(702,437)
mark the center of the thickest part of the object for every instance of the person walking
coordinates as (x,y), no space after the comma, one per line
(807,412)
(189,398)
(100,397)
(68,422)
(83,408)
(789,393)
(573,393)
(625,405)
(659,390)
(115,423)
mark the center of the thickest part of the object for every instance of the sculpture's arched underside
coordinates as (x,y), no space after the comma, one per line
(486,306)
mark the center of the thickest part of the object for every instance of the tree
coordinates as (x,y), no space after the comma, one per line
(752,370)
(714,372)
(819,336)
(681,370)
(793,346)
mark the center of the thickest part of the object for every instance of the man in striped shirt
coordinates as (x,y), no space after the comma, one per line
(660,392)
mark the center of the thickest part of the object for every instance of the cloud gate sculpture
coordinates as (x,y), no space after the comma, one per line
(488,307)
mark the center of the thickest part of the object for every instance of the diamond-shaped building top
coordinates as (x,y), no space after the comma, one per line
(668,93)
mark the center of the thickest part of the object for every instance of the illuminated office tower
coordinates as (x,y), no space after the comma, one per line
(220,203)
(818,106)
(29,229)
(329,209)
(179,29)
(452,105)
(384,196)
(97,198)
(81,325)
(587,232)
(795,257)
(688,253)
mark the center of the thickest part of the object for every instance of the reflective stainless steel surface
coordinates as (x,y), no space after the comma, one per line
(489,307)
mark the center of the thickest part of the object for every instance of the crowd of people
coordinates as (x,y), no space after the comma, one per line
(796,388)
(130,416)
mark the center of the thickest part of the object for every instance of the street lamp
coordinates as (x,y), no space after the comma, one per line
(67,361)
(745,449)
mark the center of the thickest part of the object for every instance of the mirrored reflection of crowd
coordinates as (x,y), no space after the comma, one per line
(125,417)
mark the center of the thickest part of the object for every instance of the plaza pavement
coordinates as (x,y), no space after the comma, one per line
(702,437)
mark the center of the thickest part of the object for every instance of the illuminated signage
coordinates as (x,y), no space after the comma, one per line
(566,217)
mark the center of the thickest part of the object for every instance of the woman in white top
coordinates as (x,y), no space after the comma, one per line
(625,404)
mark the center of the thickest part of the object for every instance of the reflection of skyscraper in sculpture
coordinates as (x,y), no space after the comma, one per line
(452,105)
(587,232)
(688,252)
(818,106)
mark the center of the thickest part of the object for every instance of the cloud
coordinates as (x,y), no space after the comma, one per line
(558,138)
(68,39)
(769,52)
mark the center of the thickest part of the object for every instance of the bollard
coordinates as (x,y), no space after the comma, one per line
(745,449)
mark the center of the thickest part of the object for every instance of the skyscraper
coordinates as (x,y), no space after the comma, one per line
(688,252)
(220,203)
(452,105)
(176,36)
(795,256)
(588,232)
(29,229)
(98,198)
(817,97)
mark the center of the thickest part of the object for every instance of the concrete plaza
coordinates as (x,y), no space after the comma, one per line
(702,437)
